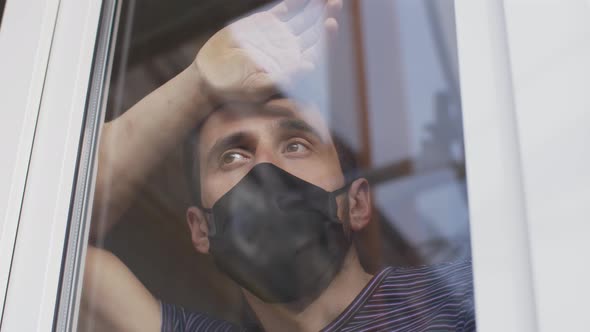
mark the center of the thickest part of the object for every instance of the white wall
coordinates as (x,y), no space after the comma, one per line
(550,52)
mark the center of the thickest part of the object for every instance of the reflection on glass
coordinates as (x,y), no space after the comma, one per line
(300,168)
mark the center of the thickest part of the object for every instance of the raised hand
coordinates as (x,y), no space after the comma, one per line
(258,54)
(246,61)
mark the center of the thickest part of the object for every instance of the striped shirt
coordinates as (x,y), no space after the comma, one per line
(427,298)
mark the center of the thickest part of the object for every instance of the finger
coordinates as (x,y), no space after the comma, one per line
(333,8)
(311,36)
(331,27)
(311,14)
(322,36)
(322,51)
(286,9)
(322,31)
(313,20)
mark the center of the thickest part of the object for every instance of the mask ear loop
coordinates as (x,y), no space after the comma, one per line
(333,208)
(211,224)
(334,211)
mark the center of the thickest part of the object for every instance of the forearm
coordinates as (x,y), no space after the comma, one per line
(134,144)
(113,298)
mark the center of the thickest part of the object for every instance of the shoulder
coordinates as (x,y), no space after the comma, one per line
(442,293)
(460,271)
(449,282)
(177,319)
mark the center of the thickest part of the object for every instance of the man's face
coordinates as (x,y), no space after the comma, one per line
(234,140)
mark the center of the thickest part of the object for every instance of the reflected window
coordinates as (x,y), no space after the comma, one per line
(281,165)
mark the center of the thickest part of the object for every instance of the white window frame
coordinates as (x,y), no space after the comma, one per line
(499,232)
(26,34)
(34,280)
(37,215)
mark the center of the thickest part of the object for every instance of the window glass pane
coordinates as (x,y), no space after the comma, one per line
(284,165)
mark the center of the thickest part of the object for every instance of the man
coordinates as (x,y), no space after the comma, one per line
(273,205)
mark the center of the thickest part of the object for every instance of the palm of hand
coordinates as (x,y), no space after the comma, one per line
(266,49)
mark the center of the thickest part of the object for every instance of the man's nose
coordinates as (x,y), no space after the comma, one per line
(267,155)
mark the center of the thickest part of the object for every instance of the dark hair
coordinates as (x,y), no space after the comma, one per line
(346,157)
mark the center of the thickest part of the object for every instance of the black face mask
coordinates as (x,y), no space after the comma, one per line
(277,235)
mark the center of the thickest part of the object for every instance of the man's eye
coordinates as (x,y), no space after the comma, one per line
(296,147)
(231,157)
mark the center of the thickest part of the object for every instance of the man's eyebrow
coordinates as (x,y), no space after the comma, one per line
(226,143)
(291,124)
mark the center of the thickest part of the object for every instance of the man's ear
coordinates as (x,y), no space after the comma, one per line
(359,204)
(199,229)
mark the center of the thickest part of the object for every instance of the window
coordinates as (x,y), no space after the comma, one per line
(375,127)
